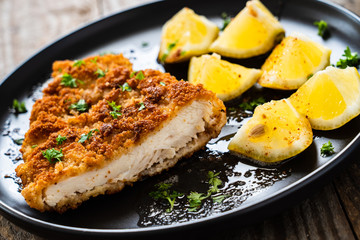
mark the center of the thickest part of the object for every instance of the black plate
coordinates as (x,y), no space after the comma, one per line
(253,192)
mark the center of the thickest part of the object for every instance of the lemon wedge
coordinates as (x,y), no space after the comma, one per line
(275,132)
(226,79)
(330,98)
(254,31)
(293,61)
(185,35)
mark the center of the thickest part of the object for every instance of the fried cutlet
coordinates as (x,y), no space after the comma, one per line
(136,124)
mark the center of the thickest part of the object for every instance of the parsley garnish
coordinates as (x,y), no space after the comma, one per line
(60,139)
(351,59)
(80,106)
(162,83)
(87,136)
(163,192)
(34,146)
(100,73)
(226,20)
(195,199)
(250,106)
(19,107)
(18,141)
(126,87)
(78,63)
(94,60)
(139,75)
(327,149)
(323,30)
(142,106)
(115,113)
(68,81)
(168,50)
(53,155)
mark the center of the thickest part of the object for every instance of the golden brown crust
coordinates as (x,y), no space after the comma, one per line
(51,116)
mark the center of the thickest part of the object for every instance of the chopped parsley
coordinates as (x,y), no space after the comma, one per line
(162,83)
(87,136)
(126,87)
(250,106)
(168,50)
(80,106)
(60,139)
(323,29)
(139,75)
(18,141)
(19,107)
(94,60)
(163,192)
(142,106)
(115,113)
(226,20)
(78,63)
(100,73)
(68,81)
(34,146)
(53,155)
(195,199)
(327,149)
(351,59)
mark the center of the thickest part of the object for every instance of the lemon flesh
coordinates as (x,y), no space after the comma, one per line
(293,61)
(254,31)
(226,79)
(275,132)
(330,98)
(185,35)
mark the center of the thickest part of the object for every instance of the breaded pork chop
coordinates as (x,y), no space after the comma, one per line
(111,129)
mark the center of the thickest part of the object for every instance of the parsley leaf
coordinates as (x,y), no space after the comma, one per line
(163,192)
(101,73)
(168,50)
(162,84)
(126,87)
(327,149)
(34,146)
(139,75)
(115,110)
(142,106)
(78,63)
(60,139)
(94,60)
(53,155)
(250,106)
(195,200)
(19,107)
(351,59)
(87,136)
(323,29)
(68,81)
(80,106)
(226,20)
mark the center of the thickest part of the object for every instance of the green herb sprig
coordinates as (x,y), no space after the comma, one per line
(170,47)
(142,106)
(19,107)
(78,63)
(139,75)
(126,87)
(351,59)
(68,81)
(323,29)
(115,113)
(163,192)
(100,73)
(53,155)
(327,149)
(60,139)
(226,20)
(87,136)
(250,106)
(80,106)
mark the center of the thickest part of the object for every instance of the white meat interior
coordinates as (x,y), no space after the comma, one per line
(177,138)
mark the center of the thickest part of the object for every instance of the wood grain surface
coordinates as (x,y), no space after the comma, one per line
(28,25)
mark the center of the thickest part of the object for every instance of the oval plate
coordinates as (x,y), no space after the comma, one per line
(252,193)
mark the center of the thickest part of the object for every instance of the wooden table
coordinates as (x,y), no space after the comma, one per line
(28,25)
